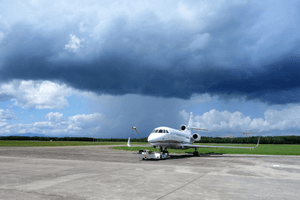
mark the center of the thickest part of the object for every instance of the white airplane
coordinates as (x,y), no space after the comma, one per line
(168,138)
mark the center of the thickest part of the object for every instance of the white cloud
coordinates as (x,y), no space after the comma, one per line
(284,119)
(44,125)
(81,125)
(274,120)
(85,119)
(2,124)
(55,117)
(89,123)
(36,94)
(224,120)
(6,115)
(74,43)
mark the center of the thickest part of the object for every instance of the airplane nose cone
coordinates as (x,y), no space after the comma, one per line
(150,138)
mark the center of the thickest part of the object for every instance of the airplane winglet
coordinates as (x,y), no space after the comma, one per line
(257,142)
(128,143)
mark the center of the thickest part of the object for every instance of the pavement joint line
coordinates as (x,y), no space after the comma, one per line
(181,187)
(35,192)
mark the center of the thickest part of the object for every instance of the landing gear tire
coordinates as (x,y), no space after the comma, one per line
(196,153)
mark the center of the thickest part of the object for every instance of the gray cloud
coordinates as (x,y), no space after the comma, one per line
(229,49)
(146,113)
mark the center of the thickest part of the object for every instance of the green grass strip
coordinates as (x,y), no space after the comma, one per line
(26,143)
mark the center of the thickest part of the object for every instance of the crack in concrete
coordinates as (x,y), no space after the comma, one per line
(181,187)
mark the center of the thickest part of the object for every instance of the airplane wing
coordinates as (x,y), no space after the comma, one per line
(204,146)
(199,146)
(201,129)
(128,144)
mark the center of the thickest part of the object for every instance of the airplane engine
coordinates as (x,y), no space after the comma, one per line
(182,127)
(196,137)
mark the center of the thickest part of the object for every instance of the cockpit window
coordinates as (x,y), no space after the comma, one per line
(160,131)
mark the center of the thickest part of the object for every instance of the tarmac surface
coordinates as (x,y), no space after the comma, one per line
(98,172)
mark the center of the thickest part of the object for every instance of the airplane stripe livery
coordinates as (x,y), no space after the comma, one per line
(168,138)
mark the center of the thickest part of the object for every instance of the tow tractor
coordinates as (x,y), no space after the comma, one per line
(146,154)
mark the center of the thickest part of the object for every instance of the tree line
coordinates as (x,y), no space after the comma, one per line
(253,140)
(82,139)
(239,140)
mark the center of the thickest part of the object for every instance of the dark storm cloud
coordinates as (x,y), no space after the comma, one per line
(277,83)
(235,50)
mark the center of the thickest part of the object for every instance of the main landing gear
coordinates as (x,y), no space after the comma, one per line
(196,152)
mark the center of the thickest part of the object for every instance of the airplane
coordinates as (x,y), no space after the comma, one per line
(168,138)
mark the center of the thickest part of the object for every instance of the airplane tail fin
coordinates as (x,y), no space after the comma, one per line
(134,128)
(190,124)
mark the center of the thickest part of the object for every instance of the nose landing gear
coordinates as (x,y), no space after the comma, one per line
(162,150)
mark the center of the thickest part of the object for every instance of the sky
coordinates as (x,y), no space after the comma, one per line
(96,68)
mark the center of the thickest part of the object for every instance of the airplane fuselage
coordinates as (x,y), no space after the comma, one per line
(170,138)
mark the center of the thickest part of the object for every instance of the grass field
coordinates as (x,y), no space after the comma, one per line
(25,143)
(262,149)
